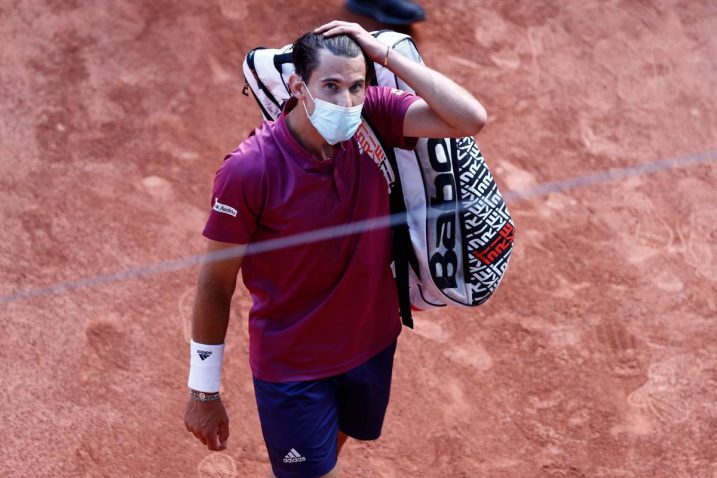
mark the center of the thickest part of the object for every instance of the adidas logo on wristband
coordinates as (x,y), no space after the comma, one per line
(205,366)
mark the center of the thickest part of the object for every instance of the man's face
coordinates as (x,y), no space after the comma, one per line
(338,80)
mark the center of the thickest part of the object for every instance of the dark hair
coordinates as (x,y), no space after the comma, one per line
(305,52)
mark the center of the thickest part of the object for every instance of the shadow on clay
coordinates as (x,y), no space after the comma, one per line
(109,344)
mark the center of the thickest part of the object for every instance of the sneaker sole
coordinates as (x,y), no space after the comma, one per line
(379,16)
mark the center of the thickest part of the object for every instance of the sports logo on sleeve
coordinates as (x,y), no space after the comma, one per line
(223,208)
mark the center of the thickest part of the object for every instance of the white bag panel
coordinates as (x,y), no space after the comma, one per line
(273,80)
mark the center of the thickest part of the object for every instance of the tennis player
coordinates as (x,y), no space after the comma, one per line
(325,316)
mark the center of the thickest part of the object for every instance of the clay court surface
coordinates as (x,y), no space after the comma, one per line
(596,358)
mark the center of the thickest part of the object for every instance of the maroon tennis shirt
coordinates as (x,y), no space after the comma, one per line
(320,308)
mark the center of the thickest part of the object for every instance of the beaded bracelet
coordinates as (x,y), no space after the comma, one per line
(203,397)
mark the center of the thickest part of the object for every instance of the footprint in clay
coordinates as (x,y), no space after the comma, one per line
(217,465)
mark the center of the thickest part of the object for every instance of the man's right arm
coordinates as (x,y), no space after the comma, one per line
(208,421)
(217,281)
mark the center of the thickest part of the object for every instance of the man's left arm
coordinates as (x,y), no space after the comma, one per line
(445,108)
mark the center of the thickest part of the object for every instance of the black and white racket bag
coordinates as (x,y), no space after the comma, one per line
(452,233)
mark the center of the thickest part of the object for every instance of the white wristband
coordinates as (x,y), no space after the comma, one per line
(205,367)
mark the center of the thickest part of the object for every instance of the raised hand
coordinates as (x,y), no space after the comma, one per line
(374,49)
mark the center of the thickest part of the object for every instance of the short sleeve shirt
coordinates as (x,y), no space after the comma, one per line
(322,303)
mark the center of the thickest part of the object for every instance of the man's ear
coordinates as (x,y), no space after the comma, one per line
(296,86)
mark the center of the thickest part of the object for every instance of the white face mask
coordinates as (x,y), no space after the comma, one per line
(333,122)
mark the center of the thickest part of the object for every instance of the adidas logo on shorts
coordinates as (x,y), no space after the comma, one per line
(293,457)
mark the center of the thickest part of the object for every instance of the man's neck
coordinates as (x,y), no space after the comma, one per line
(306,135)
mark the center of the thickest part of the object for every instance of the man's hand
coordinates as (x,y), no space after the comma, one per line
(208,421)
(374,49)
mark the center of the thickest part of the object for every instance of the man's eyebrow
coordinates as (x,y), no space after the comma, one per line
(326,79)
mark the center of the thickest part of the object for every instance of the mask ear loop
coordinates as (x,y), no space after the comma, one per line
(310,96)
(307,90)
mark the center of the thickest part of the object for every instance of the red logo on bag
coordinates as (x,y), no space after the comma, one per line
(368,142)
(498,246)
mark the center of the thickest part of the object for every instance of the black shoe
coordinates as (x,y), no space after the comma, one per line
(390,12)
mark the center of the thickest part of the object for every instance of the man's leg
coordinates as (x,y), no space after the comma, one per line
(332,474)
(340,441)
(363,395)
(299,422)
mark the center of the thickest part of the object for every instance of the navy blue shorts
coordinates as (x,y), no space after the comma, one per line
(300,420)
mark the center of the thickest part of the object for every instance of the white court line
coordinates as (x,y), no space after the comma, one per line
(704,157)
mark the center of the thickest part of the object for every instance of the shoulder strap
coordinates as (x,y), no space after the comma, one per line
(403,252)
